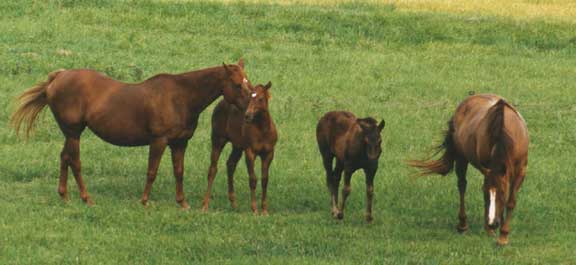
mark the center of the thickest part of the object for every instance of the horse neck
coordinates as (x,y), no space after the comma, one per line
(355,143)
(264,124)
(203,87)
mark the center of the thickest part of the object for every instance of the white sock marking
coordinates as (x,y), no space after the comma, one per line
(492,208)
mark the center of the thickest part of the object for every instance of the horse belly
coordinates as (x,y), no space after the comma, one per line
(119,131)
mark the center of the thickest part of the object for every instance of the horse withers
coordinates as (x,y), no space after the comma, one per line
(490,134)
(161,111)
(250,130)
(355,143)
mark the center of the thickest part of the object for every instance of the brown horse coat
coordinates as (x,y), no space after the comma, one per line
(161,111)
(490,134)
(355,143)
(251,130)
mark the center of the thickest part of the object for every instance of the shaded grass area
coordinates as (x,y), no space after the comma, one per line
(411,69)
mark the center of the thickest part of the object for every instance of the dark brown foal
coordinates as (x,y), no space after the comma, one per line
(490,134)
(161,111)
(355,143)
(251,131)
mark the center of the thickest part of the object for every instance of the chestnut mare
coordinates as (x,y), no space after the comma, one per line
(355,143)
(490,134)
(161,111)
(251,131)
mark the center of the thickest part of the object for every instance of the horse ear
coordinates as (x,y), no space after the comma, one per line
(268,85)
(228,71)
(241,62)
(381,125)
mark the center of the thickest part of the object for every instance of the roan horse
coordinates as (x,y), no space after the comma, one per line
(356,143)
(490,134)
(251,131)
(161,111)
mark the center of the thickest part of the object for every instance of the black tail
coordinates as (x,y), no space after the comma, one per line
(444,165)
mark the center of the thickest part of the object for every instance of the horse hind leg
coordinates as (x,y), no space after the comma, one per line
(71,157)
(461,167)
(63,183)
(510,205)
(231,164)
(217,145)
(327,161)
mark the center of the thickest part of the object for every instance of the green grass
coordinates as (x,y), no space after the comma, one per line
(410,68)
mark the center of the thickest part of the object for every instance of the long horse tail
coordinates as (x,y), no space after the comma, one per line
(499,140)
(441,166)
(31,103)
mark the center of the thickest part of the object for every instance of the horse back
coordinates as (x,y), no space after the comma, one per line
(332,130)
(473,130)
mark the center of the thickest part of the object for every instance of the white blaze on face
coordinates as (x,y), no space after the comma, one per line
(254,94)
(245,81)
(492,207)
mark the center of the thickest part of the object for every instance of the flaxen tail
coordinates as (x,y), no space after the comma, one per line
(442,166)
(30,104)
(499,141)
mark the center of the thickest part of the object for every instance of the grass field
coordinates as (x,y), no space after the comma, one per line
(409,62)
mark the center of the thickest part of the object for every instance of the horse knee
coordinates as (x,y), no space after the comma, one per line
(179,172)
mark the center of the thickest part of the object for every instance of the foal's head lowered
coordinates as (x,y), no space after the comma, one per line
(371,136)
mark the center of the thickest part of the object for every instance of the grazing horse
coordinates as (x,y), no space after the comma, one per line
(356,143)
(161,111)
(490,134)
(251,131)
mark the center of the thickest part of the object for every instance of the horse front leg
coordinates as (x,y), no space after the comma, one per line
(370,173)
(154,156)
(250,157)
(266,161)
(178,151)
(345,191)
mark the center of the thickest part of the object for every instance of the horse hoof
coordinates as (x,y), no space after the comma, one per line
(340,216)
(264,213)
(255,212)
(88,201)
(502,241)
(64,198)
(369,218)
(462,229)
(490,232)
(184,205)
